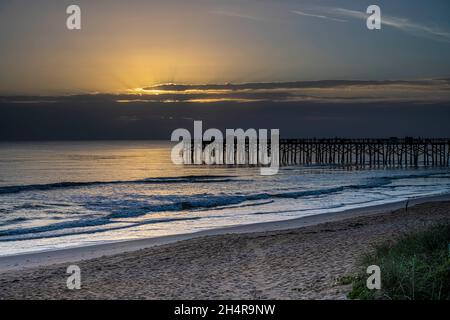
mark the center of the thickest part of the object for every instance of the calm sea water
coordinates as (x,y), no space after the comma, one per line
(63,194)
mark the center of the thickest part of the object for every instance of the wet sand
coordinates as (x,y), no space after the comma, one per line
(297,259)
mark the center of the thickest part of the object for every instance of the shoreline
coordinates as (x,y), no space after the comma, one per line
(81,253)
(307,262)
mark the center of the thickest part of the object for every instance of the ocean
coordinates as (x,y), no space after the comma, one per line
(63,194)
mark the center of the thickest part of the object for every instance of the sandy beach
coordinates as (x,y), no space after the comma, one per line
(295,259)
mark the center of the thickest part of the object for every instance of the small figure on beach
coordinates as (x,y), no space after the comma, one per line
(406,205)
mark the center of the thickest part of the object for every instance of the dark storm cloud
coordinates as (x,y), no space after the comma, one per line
(110,120)
(298,109)
(285,85)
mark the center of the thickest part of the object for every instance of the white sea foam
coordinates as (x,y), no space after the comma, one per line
(57,195)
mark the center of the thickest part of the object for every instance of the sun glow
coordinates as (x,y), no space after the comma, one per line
(143,91)
(151,91)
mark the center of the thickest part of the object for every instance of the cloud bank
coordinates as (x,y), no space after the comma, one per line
(325,91)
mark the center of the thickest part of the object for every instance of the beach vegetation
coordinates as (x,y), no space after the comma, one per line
(415,267)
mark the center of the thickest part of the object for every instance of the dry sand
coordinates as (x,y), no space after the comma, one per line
(301,261)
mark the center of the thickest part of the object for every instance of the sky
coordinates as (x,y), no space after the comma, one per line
(140,69)
(134,44)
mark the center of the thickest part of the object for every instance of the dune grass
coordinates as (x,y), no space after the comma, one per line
(416,267)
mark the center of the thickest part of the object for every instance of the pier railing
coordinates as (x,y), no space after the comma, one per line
(391,152)
(366,152)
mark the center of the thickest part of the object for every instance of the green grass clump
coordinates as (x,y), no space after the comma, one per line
(416,267)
